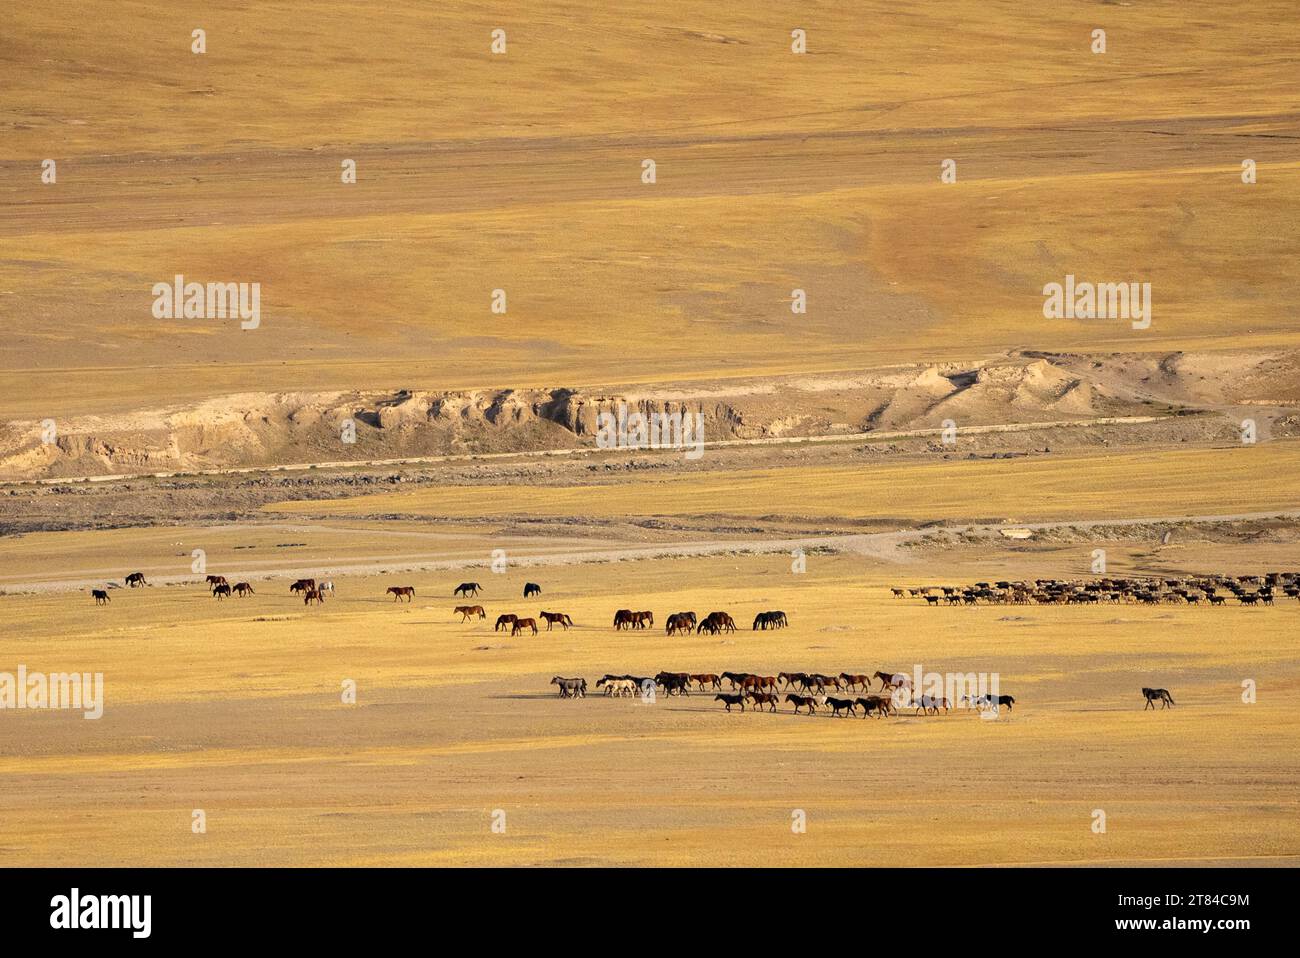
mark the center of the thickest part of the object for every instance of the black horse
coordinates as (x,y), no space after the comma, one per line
(1157,695)
(531,589)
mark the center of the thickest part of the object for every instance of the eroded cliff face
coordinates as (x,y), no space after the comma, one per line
(267,429)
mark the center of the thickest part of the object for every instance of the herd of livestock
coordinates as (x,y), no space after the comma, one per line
(810,690)
(313,591)
(801,690)
(1191,590)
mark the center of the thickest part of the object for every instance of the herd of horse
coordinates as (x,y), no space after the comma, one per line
(315,592)
(809,690)
(714,623)
(1213,590)
(801,690)
(805,690)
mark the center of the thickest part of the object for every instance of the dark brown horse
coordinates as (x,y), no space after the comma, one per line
(874,703)
(220,591)
(892,680)
(678,682)
(623,619)
(100,597)
(242,589)
(312,595)
(467,589)
(802,701)
(504,620)
(680,622)
(521,624)
(135,579)
(398,591)
(730,700)
(1157,695)
(303,585)
(718,622)
(764,698)
(553,617)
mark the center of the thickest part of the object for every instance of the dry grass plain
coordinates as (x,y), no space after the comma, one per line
(1164,483)
(521,172)
(235,708)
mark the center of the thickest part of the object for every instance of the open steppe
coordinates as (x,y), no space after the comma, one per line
(892,435)
(235,708)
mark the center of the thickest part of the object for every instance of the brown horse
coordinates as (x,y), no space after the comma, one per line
(553,617)
(680,622)
(521,624)
(930,705)
(679,682)
(503,620)
(707,680)
(759,682)
(641,620)
(242,589)
(100,597)
(623,619)
(764,698)
(468,610)
(892,680)
(312,595)
(398,591)
(874,703)
(219,592)
(217,580)
(719,622)
(861,680)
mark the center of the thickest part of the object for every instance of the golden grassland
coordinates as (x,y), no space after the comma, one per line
(1093,486)
(287,75)
(235,708)
(256,549)
(522,172)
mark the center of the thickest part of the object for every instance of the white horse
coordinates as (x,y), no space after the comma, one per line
(326,586)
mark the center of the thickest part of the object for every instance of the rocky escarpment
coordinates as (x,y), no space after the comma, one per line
(259,430)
